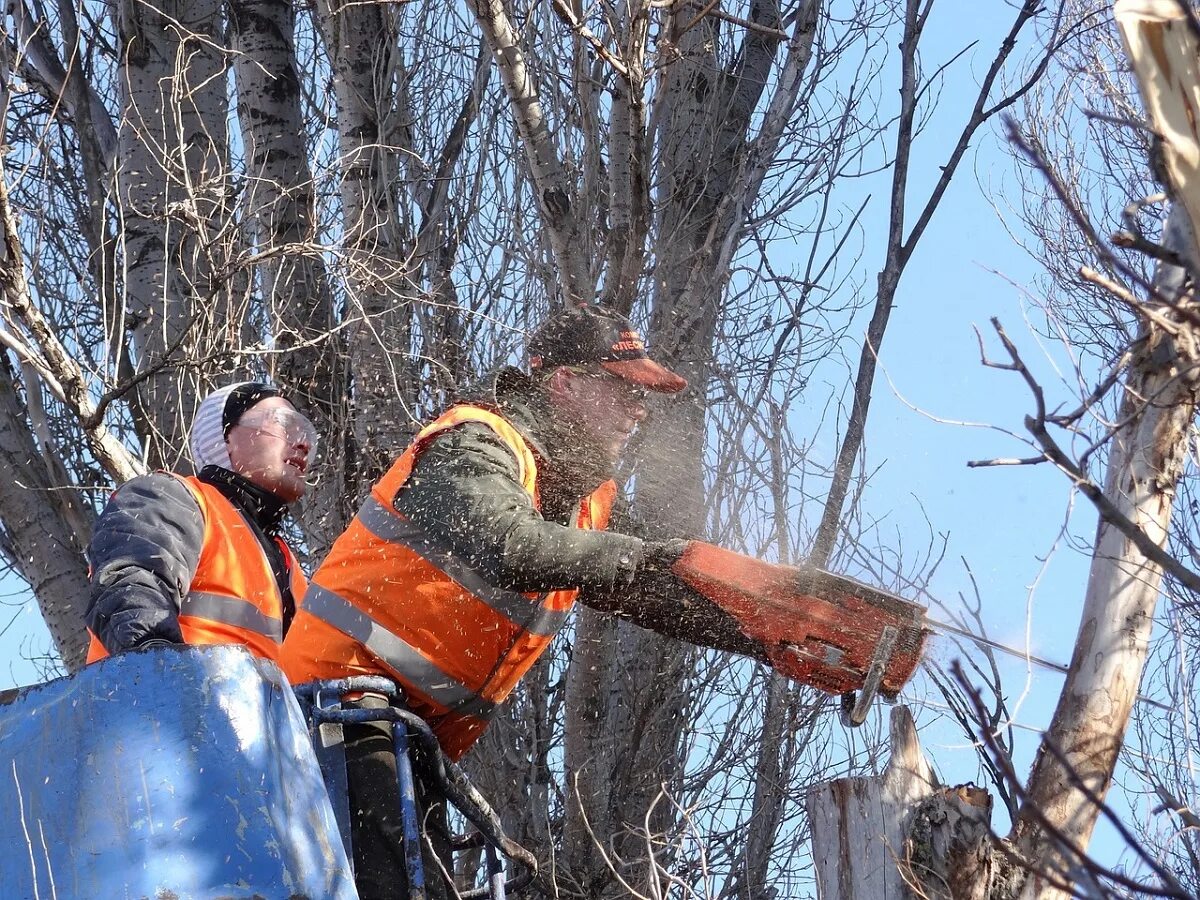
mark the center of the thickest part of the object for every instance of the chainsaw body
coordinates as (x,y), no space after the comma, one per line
(823,630)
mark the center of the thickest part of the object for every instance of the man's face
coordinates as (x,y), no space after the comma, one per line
(598,410)
(271,445)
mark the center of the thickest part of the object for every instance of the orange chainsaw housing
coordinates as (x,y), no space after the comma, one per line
(820,629)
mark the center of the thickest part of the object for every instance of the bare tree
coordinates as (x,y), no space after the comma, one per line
(1134,418)
(407,188)
(1147,451)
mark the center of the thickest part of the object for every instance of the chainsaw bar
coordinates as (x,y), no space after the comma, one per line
(957,631)
(1018,653)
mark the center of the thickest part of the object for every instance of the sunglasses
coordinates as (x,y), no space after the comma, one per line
(285,424)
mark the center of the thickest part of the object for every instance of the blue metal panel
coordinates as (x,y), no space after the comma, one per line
(177,772)
(328,743)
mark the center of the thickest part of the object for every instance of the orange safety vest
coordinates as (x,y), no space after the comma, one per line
(389,600)
(233,597)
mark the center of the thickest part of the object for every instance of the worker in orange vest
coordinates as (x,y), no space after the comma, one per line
(469,553)
(199,559)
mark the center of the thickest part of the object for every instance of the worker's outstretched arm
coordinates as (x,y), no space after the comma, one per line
(144,552)
(465,493)
(659,601)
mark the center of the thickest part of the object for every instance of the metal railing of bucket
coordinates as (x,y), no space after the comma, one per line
(322,704)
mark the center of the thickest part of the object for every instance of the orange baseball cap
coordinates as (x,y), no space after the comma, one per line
(593,335)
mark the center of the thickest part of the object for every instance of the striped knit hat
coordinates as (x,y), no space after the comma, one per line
(219,412)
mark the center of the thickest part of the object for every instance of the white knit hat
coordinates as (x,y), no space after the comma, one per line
(209,427)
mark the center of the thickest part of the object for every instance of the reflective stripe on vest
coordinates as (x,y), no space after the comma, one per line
(527,613)
(395,652)
(232,611)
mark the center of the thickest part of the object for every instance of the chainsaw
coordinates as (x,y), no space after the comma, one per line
(822,630)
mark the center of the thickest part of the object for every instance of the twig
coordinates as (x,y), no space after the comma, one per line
(1006,461)
(717,13)
(1103,387)
(120,390)
(1036,425)
(568,16)
(1189,818)
(1126,296)
(1031,810)
(1129,240)
(1120,120)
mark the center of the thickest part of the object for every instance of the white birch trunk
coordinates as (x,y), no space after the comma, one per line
(602,729)
(443,340)
(46,552)
(279,193)
(1146,457)
(556,198)
(629,176)
(379,271)
(279,204)
(173,192)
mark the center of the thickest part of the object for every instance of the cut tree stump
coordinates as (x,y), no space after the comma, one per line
(901,834)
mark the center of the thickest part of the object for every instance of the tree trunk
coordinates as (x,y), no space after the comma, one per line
(752,879)
(292,278)
(900,834)
(379,275)
(37,538)
(556,199)
(174,191)
(628,201)
(1146,457)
